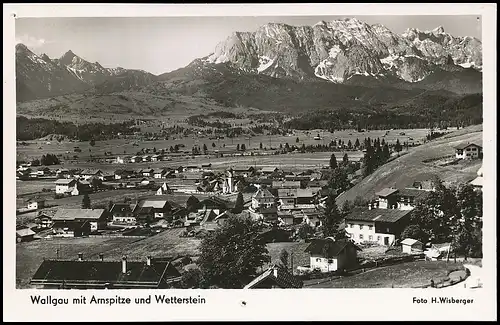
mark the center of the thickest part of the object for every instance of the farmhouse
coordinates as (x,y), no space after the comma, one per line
(73,222)
(123,173)
(25,234)
(91,172)
(148,172)
(247,171)
(36,203)
(43,220)
(147,210)
(269,170)
(63,173)
(135,159)
(286,184)
(145,158)
(403,199)
(43,171)
(468,151)
(156,158)
(411,246)
(159,173)
(100,274)
(382,226)
(262,199)
(64,186)
(287,218)
(276,277)
(329,255)
(291,199)
(123,213)
(218,204)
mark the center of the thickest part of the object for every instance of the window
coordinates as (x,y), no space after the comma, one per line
(360,226)
(468,149)
(318,260)
(360,236)
(351,225)
(330,260)
(370,238)
(378,238)
(474,149)
(370,227)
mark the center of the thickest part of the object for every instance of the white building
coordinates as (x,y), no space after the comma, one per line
(468,151)
(329,255)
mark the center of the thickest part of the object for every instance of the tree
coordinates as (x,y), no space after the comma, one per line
(284,257)
(92,142)
(260,146)
(349,144)
(205,148)
(192,279)
(86,202)
(305,231)
(414,232)
(346,208)
(238,147)
(231,255)
(345,159)
(356,144)
(398,147)
(297,140)
(333,161)
(338,181)
(243,147)
(332,219)
(192,203)
(96,184)
(238,206)
(213,144)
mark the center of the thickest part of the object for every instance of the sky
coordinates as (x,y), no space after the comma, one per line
(163,44)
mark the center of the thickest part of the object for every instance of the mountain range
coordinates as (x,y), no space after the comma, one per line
(343,62)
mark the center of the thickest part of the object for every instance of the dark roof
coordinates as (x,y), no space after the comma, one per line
(328,247)
(386,192)
(102,272)
(91,171)
(120,207)
(263,193)
(465,145)
(284,279)
(383,215)
(413,192)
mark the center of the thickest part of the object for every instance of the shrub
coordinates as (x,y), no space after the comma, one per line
(58,196)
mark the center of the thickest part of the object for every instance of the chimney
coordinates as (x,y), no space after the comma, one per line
(80,257)
(124,264)
(148,260)
(101,256)
(369,206)
(275,272)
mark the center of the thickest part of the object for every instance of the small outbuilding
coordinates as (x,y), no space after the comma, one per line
(410,246)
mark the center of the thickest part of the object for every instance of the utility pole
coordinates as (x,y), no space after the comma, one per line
(291,262)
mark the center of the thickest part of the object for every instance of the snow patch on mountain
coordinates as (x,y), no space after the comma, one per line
(334,51)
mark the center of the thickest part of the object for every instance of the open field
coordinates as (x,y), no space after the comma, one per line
(403,171)
(32,186)
(35,148)
(405,275)
(166,243)
(29,255)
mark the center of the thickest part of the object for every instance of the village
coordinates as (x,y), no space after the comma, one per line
(190,202)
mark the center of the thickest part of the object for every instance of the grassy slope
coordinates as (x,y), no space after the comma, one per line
(402,172)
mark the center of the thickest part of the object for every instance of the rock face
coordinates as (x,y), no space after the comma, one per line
(337,50)
(42,77)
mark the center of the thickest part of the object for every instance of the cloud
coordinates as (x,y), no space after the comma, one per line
(31,41)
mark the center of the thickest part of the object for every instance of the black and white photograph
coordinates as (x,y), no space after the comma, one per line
(326,151)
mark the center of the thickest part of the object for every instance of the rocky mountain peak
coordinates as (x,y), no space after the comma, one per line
(438,30)
(67,57)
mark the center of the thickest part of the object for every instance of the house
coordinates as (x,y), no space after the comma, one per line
(380,226)
(148,172)
(123,213)
(468,151)
(275,277)
(156,158)
(135,159)
(192,168)
(410,246)
(269,170)
(86,174)
(329,255)
(72,222)
(297,198)
(145,158)
(287,218)
(262,199)
(123,173)
(403,199)
(43,171)
(107,177)
(218,204)
(64,185)
(25,234)
(164,189)
(159,173)
(477,182)
(246,171)
(44,220)
(36,203)
(179,170)
(101,274)
(63,173)
(150,209)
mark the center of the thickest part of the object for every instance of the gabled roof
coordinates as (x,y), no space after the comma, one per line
(304,192)
(25,232)
(159,171)
(242,169)
(283,279)
(72,214)
(328,247)
(286,184)
(64,181)
(152,203)
(386,192)
(413,192)
(269,169)
(465,145)
(121,207)
(91,171)
(104,272)
(381,215)
(263,193)
(410,241)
